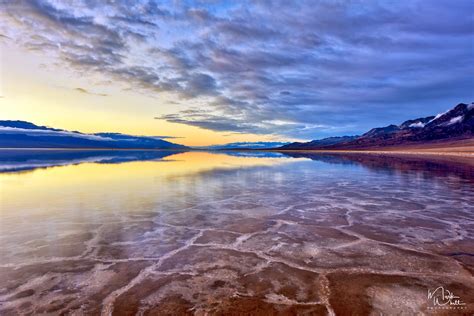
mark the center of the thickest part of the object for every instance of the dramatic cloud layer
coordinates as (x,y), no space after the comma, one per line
(306,70)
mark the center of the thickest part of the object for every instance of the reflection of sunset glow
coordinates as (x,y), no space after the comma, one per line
(90,184)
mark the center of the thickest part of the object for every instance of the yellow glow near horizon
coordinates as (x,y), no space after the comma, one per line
(35,90)
(91,183)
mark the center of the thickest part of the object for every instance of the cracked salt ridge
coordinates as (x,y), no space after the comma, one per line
(107,309)
(242,238)
(271,259)
(245,237)
(108,303)
(271,298)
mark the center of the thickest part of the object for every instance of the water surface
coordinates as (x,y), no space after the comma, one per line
(150,233)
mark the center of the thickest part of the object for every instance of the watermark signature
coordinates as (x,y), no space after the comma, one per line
(442,298)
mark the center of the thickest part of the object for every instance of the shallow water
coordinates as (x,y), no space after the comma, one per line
(135,232)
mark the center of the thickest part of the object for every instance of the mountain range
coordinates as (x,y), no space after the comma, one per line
(22,134)
(456,124)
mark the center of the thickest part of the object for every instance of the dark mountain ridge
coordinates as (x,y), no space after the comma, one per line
(22,134)
(455,124)
(320,142)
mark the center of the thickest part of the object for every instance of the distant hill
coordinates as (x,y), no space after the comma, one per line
(21,134)
(453,125)
(320,142)
(246,145)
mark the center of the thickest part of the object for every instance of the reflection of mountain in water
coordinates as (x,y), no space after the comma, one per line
(253,154)
(21,160)
(426,166)
(438,166)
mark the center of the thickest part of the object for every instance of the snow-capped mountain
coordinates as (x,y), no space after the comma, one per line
(454,124)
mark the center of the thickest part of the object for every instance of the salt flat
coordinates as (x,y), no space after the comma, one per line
(229,234)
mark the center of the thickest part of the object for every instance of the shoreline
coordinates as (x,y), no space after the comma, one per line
(467,154)
(414,152)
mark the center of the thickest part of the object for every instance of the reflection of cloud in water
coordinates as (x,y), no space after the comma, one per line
(409,165)
(425,166)
(22,160)
(226,231)
(254,154)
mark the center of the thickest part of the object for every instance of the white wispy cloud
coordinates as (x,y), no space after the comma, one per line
(46,132)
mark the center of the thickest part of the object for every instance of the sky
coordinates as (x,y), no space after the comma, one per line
(209,72)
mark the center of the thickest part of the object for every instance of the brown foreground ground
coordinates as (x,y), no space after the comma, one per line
(435,150)
(457,146)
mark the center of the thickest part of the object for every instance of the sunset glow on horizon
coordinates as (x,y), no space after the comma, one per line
(56,103)
(207,74)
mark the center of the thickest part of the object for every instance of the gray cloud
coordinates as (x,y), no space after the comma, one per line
(48,132)
(304,70)
(85,91)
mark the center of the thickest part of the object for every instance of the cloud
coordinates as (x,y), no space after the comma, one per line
(49,132)
(4,37)
(325,67)
(82,90)
(62,133)
(223,123)
(168,137)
